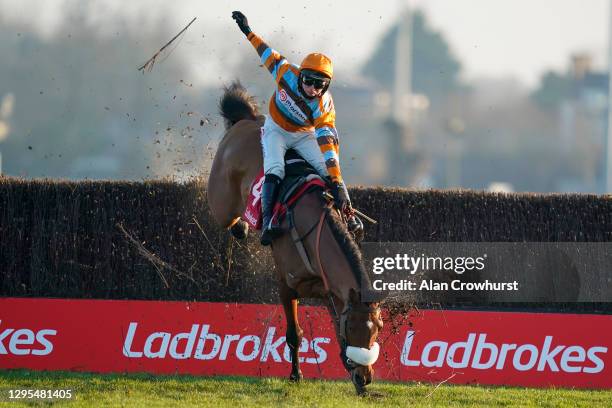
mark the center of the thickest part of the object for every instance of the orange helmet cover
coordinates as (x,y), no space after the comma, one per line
(318,62)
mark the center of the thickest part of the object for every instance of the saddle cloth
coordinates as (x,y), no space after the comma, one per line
(300,178)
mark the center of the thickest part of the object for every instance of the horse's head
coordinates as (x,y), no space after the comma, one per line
(360,324)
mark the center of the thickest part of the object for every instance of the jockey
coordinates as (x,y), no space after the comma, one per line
(302,117)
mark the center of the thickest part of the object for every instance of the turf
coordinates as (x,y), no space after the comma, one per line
(142,390)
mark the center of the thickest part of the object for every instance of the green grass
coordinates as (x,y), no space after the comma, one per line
(142,390)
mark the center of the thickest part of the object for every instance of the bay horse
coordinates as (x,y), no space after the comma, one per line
(335,276)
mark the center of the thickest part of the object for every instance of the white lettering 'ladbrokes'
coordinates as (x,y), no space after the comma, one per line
(22,342)
(201,344)
(521,357)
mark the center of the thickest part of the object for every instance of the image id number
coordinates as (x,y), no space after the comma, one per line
(39,394)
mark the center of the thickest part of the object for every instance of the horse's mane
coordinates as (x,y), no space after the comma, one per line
(237,104)
(347,245)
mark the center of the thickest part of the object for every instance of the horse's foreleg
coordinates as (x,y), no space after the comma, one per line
(334,307)
(294,331)
(225,202)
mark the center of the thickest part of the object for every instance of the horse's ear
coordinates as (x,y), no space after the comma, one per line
(354,296)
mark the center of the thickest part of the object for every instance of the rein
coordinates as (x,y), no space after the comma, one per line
(298,241)
(323,274)
(318,252)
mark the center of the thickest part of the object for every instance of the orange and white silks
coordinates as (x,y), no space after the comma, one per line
(296,114)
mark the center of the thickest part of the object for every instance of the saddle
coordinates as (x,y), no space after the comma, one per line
(300,178)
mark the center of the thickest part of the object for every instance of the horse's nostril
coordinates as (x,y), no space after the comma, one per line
(359,380)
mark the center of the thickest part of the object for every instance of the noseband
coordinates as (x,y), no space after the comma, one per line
(355,356)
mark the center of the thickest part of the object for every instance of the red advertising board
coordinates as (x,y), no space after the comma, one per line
(527,349)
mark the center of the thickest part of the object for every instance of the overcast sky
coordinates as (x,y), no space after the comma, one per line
(492,38)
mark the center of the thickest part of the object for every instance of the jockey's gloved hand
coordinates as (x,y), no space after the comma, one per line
(341,196)
(242,22)
(355,225)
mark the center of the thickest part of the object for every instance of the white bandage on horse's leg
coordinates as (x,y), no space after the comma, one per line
(363,356)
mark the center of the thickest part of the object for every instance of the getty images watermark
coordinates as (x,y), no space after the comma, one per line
(413,264)
(484,272)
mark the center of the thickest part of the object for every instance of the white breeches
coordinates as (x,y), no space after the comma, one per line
(275,141)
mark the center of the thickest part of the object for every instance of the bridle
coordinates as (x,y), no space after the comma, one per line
(340,318)
(348,363)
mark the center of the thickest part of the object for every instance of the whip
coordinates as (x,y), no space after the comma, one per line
(359,213)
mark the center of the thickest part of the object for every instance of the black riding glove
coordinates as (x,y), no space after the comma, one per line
(341,197)
(355,225)
(242,22)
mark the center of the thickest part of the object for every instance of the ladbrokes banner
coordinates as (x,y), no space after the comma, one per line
(530,349)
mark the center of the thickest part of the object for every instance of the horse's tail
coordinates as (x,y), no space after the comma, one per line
(236,104)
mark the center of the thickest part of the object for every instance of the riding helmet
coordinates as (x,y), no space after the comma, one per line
(316,65)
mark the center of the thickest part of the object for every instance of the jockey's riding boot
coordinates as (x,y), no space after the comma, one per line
(269,192)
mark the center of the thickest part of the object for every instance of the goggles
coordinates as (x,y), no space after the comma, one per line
(318,83)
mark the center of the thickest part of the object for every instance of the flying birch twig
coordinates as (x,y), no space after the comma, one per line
(149,64)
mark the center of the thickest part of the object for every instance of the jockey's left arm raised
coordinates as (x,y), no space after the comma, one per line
(270,58)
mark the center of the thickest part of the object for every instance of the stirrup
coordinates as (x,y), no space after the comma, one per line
(269,234)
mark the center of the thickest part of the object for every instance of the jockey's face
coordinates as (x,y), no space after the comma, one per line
(311,91)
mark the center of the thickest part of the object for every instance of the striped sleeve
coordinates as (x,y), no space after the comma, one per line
(327,136)
(270,58)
